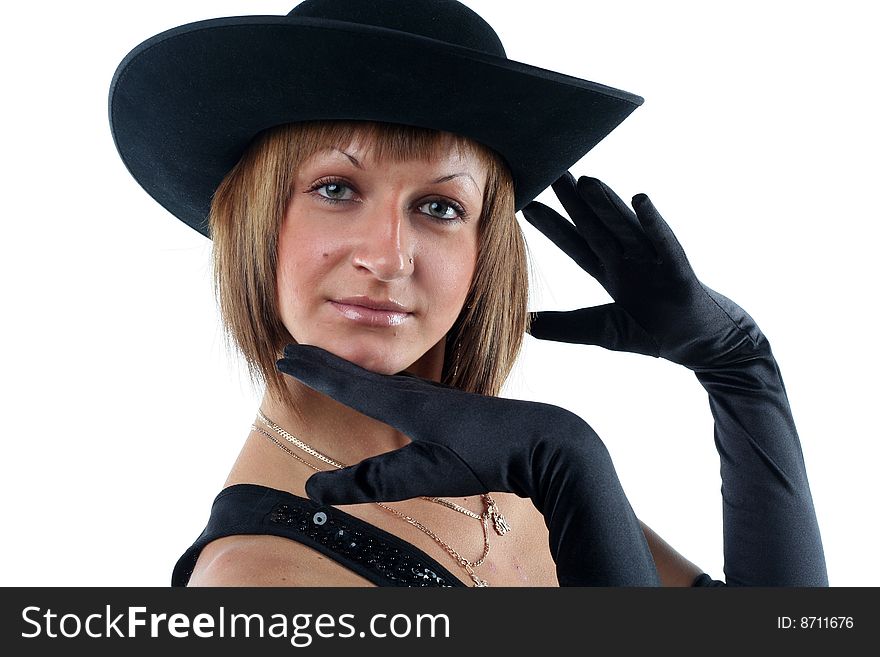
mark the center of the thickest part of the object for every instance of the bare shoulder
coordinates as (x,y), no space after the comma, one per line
(267,560)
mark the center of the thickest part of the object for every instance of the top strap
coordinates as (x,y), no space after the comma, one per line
(379,556)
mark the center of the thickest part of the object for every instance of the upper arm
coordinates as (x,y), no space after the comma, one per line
(231,561)
(266,560)
(673,568)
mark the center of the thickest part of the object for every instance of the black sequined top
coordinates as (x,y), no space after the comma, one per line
(373,553)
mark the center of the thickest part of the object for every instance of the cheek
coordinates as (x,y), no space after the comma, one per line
(300,266)
(450,274)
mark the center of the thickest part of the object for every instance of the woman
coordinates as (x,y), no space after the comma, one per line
(383,261)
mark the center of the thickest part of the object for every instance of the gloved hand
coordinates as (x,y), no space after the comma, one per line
(660,307)
(467,444)
(771,536)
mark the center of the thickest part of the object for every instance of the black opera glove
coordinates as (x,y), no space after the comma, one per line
(660,307)
(468,444)
(771,534)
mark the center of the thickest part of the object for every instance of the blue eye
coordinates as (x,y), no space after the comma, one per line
(443,210)
(333,190)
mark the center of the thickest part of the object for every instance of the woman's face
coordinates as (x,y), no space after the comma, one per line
(375,258)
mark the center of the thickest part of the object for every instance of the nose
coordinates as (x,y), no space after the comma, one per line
(384,242)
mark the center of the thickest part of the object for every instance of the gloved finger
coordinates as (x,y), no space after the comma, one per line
(618,219)
(393,399)
(608,326)
(411,471)
(591,228)
(563,234)
(669,250)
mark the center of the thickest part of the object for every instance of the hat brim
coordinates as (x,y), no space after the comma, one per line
(184,104)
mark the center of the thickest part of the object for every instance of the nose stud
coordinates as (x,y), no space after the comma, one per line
(410,261)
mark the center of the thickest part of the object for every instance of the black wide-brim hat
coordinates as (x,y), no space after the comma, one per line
(185,103)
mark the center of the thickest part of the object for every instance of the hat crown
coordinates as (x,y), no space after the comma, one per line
(444,20)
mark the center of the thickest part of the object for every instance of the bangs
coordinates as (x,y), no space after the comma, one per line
(388,141)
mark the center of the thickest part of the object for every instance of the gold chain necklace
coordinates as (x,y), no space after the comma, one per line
(500,523)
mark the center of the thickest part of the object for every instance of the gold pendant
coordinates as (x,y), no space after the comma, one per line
(499,522)
(479,583)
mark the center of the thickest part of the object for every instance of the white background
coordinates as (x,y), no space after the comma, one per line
(122,413)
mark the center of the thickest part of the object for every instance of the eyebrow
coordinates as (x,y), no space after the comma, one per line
(437,181)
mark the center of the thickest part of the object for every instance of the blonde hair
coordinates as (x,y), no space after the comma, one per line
(247,211)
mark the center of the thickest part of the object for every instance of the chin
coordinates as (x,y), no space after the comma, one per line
(375,360)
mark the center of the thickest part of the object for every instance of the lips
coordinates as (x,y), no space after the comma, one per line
(373,304)
(371,312)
